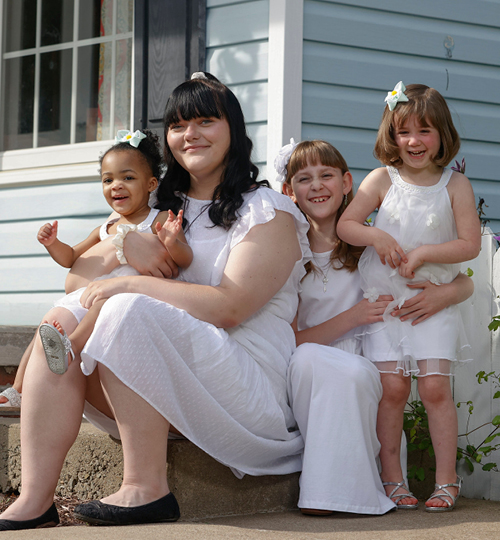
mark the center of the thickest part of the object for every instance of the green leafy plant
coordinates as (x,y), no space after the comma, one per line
(418,439)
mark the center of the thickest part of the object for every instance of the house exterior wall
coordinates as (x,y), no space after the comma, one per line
(356,50)
(352,54)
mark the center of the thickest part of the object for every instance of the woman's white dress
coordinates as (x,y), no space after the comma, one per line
(334,395)
(414,216)
(225,390)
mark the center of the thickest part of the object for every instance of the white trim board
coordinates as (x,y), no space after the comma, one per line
(284,106)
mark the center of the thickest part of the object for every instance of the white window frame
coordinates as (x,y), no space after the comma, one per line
(69,162)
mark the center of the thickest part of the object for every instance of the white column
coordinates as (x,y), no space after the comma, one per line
(284,107)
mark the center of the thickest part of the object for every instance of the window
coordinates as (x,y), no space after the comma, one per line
(66,71)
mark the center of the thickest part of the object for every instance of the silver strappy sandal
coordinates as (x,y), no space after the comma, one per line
(442,496)
(396,498)
(13,397)
(57,347)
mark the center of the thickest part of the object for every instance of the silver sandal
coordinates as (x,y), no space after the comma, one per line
(396,498)
(442,496)
(13,398)
(57,347)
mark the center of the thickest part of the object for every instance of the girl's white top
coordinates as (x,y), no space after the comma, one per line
(414,216)
(225,390)
(317,305)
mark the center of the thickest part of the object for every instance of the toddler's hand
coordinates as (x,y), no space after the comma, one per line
(171,228)
(47,234)
(389,250)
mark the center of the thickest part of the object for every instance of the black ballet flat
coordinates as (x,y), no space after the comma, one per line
(49,519)
(99,513)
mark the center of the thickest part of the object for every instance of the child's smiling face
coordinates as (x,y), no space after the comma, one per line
(127,182)
(418,144)
(319,190)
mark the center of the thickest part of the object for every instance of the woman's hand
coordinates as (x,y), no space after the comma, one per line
(103,289)
(388,249)
(147,254)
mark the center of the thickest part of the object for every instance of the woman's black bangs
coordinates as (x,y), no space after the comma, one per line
(192,101)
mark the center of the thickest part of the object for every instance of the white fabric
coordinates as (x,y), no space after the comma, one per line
(145,226)
(224,390)
(414,216)
(71,301)
(334,396)
(343,290)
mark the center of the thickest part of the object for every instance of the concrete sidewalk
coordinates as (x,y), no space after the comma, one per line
(471,520)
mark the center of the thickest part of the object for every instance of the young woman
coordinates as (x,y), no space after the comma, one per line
(208,357)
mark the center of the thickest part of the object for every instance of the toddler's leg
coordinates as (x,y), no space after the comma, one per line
(18,381)
(396,389)
(435,392)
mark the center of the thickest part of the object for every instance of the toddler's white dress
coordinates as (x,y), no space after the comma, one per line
(71,301)
(225,390)
(414,215)
(334,395)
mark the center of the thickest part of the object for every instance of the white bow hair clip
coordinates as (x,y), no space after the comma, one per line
(282,160)
(397,95)
(134,139)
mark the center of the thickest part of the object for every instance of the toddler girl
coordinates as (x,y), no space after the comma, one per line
(426,224)
(130,170)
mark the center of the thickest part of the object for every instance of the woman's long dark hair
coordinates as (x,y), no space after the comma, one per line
(210,98)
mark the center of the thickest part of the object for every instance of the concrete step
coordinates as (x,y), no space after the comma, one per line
(13,343)
(203,487)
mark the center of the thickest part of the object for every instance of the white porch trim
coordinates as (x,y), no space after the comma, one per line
(284,107)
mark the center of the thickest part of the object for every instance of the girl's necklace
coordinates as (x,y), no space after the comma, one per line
(325,274)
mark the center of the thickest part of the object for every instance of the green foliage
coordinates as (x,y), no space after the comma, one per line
(416,425)
(469,272)
(495,323)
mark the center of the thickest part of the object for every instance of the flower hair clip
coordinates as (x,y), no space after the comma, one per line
(282,160)
(134,139)
(397,95)
(199,75)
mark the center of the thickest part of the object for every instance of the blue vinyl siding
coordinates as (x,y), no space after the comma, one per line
(356,51)
(237,46)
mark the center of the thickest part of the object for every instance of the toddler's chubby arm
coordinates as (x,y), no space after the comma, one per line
(351,226)
(172,236)
(468,243)
(62,253)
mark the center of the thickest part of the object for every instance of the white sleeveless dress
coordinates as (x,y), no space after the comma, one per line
(414,216)
(71,301)
(225,390)
(334,395)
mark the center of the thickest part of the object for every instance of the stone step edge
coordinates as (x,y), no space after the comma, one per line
(203,487)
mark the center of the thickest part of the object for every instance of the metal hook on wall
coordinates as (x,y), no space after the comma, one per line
(449,45)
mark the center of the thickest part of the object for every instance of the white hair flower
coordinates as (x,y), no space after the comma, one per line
(397,95)
(134,139)
(282,160)
(199,75)
(371,294)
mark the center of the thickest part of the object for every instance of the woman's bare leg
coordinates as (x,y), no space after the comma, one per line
(144,435)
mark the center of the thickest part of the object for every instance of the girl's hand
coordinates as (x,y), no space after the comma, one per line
(171,228)
(388,249)
(102,289)
(366,312)
(425,304)
(47,234)
(414,260)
